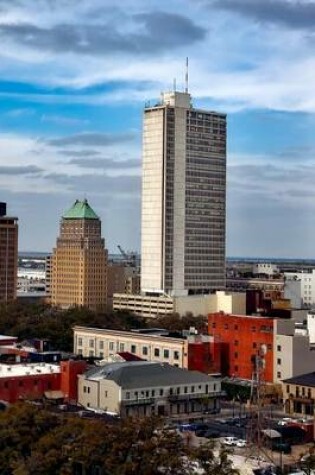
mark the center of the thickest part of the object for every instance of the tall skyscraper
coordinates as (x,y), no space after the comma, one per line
(8,255)
(79,261)
(183,198)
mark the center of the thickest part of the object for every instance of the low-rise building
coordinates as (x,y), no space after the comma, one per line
(28,381)
(300,287)
(189,350)
(142,388)
(160,305)
(299,394)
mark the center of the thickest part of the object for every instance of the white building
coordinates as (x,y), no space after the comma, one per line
(300,287)
(183,198)
(293,354)
(153,306)
(143,388)
(265,268)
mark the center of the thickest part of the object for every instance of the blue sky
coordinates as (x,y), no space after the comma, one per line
(76,75)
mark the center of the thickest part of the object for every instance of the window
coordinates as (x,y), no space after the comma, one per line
(101,354)
(88,390)
(156,352)
(106,394)
(226,326)
(177,390)
(80,342)
(176,355)
(166,354)
(236,368)
(21,383)
(254,345)
(185,389)
(111,346)
(161,392)
(133,349)
(278,360)
(288,388)
(91,353)
(192,389)
(279,374)
(236,343)
(121,346)
(144,350)
(303,391)
(91,343)
(278,347)
(101,345)
(153,393)
(236,355)
(213,325)
(235,327)
(253,329)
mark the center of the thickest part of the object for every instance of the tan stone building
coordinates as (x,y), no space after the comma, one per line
(8,255)
(143,388)
(79,261)
(299,394)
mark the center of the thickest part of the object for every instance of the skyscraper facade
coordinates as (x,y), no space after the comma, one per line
(183,198)
(8,255)
(79,261)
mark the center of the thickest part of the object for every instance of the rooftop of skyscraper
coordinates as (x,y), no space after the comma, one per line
(80,210)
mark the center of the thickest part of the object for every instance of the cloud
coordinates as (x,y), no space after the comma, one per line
(62,120)
(88,139)
(293,14)
(155,32)
(20,170)
(79,153)
(106,163)
(121,186)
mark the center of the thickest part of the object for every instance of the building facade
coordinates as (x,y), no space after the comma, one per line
(8,255)
(79,261)
(183,198)
(299,394)
(300,288)
(153,306)
(184,350)
(241,338)
(144,388)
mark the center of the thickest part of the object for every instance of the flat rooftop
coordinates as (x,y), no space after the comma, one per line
(16,370)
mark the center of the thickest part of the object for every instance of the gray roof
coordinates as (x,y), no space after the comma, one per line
(307,379)
(137,374)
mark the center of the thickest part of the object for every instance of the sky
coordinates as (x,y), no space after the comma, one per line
(74,79)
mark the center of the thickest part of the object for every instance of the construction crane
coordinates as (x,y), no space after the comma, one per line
(129,257)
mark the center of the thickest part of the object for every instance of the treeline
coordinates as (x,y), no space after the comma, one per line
(27,321)
(37,442)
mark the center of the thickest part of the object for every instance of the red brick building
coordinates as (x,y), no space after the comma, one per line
(241,338)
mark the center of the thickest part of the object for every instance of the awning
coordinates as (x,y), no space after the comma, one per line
(271,433)
(54,394)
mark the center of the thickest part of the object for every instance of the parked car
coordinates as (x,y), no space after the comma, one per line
(284,421)
(241,443)
(230,441)
(283,447)
(208,433)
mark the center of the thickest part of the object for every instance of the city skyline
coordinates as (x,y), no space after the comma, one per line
(74,83)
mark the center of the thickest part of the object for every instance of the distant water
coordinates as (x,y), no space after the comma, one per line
(116,257)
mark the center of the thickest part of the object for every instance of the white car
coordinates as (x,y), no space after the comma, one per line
(230,441)
(241,443)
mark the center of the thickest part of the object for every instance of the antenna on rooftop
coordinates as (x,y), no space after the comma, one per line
(186,76)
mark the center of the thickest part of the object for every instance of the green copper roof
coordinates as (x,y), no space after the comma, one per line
(80,210)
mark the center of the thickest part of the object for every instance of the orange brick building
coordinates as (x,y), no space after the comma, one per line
(241,338)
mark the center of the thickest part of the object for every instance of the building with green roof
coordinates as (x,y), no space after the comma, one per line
(79,261)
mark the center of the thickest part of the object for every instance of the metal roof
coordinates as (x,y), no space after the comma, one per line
(137,374)
(80,210)
(307,379)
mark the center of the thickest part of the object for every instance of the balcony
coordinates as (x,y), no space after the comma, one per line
(193,396)
(138,402)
